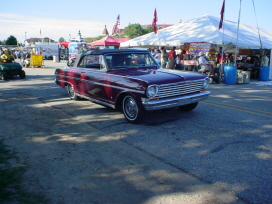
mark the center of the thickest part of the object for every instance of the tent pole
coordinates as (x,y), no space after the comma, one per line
(223,48)
(222,54)
(270,65)
(237,34)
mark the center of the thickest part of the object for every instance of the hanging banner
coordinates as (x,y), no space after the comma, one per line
(186,46)
(197,47)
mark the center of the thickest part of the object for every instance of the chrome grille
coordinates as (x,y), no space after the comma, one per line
(180,89)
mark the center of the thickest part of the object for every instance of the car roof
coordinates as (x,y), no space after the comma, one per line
(112,51)
(109,51)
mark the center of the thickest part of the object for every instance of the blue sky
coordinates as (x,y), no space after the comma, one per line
(60,18)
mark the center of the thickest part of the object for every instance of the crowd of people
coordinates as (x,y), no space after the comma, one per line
(8,55)
(164,58)
(173,59)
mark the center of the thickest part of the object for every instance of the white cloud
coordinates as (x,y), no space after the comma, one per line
(20,26)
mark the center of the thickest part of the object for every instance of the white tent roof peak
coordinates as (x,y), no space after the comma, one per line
(205,29)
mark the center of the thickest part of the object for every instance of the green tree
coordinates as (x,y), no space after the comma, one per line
(119,36)
(34,40)
(61,39)
(134,30)
(98,37)
(11,40)
(89,40)
(148,30)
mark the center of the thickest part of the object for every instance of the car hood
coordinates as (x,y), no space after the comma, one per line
(159,76)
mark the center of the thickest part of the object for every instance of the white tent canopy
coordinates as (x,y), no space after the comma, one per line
(205,29)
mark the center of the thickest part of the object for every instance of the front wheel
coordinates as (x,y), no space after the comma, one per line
(188,107)
(132,111)
(71,92)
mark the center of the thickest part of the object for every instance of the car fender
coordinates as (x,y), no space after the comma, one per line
(122,94)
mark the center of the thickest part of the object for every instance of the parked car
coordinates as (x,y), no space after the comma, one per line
(8,70)
(131,80)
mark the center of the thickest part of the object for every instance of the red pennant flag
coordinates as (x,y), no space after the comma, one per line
(222,15)
(115,29)
(154,22)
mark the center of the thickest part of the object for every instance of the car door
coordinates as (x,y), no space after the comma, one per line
(93,78)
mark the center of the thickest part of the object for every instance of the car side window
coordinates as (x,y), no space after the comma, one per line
(119,61)
(82,63)
(93,62)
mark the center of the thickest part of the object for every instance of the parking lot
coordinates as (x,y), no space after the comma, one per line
(80,151)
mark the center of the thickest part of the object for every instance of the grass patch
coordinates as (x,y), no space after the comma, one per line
(11,188)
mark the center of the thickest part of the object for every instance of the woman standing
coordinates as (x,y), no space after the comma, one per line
(158,56)
(164,57)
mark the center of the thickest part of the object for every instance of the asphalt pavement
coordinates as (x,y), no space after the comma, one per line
(70,160)
(225,142)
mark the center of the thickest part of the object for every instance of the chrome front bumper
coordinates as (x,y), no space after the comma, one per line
(175,101)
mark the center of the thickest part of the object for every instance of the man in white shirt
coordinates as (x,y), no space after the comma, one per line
(203,63)
(265,61)
(202,59)
(158,56)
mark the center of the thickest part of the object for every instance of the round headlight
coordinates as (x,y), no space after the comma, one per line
(206,83)
(152,90)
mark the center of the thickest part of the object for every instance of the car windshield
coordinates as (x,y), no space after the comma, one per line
(126,60)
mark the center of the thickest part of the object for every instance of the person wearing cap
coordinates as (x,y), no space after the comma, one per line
(203,63)
(7,57)
(202,59)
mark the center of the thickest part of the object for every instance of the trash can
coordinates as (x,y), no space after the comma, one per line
(264,73)
(55,58)
(230,73)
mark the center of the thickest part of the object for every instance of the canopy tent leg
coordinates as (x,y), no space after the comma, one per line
(270,66)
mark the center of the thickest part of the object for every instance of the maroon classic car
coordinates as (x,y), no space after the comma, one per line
(131,80)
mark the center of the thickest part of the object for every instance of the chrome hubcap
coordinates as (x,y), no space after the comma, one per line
(71,91)
(131,108)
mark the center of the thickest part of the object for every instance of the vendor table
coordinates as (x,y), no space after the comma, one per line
(188,65)
(254,71)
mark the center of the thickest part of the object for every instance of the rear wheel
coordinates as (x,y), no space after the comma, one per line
(4,75)
(131,109)
(22,74)
(188,107)
(71,92)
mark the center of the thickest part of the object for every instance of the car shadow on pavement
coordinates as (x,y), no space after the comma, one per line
(82,152)
(70,161)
